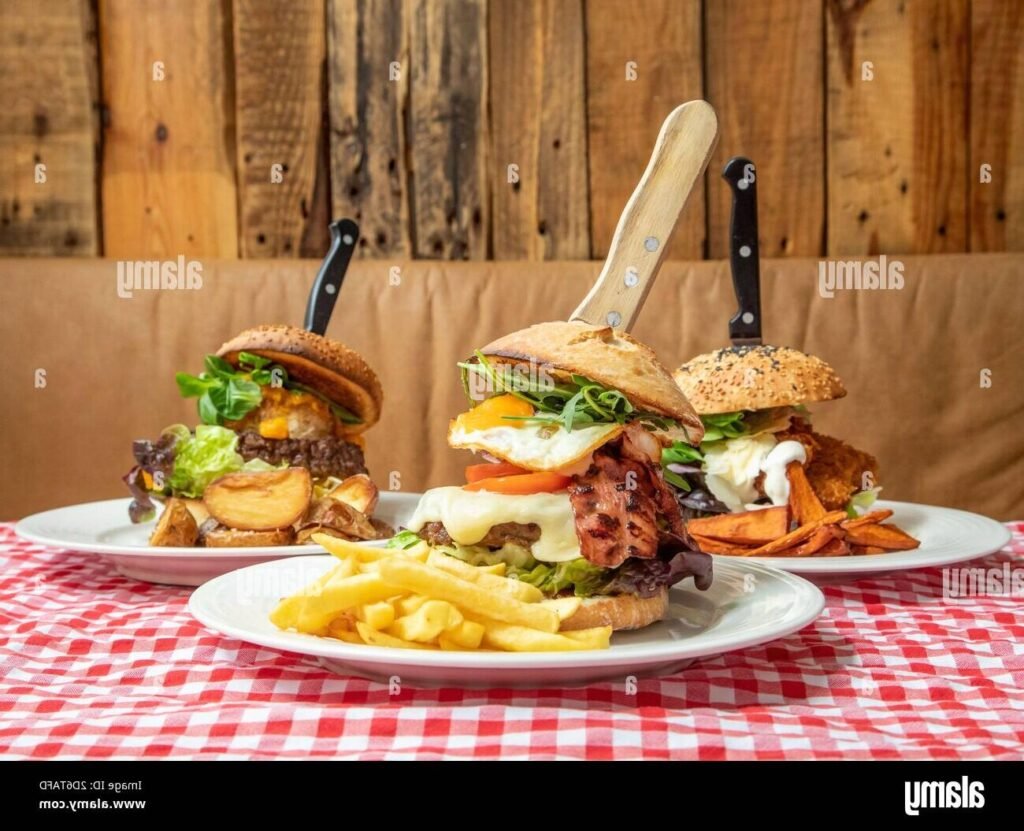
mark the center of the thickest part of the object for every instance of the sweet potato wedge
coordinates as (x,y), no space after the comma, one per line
(870,518)
(712,546)
(835,547)
(866,549)
(797,535)
(260,501)
(747,528)
(814,544)
(803,501)
(888,537)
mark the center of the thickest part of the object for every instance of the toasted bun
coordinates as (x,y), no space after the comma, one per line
(756,378)
(610,357)
(621,611)
(327,366)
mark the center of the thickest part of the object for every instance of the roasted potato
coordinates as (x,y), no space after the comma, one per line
(357,491)
(220,536)
(260,501)
(384,531)
(197,509)
(338,518)
(176,526)
(305,533)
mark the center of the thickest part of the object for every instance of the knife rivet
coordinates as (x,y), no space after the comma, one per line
(631,278)
(748,317)
(743,183)
(651,244)
(329,288)
(744,250)
(347,239)
(613,319)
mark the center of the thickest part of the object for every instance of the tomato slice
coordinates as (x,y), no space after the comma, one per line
(488,470)
(522,484)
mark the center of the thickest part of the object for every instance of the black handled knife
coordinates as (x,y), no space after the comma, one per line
(745,326)
(327,285)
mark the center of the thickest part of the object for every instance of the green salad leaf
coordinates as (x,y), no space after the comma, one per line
(199,459)
(584,578)
(207,455)
(229,394)
(724,426)
(403,539)
(861,501)
(578,403)
(679,453)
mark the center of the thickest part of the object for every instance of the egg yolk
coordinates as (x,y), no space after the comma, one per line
(492,412)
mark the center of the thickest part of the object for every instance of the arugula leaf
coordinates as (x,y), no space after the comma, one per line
(724,426)
(580,403)
(679,454)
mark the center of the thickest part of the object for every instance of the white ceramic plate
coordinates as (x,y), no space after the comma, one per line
(946,534)
(104,528)
(747,604)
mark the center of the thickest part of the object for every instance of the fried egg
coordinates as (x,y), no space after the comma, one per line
(495,427)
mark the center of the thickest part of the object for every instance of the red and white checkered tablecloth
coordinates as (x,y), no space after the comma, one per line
(95,665)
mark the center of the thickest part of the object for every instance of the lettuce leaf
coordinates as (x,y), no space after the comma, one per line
(584,578)
(203,457)
(861,501)
(724,426)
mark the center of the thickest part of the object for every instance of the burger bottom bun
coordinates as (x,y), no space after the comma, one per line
(621,611)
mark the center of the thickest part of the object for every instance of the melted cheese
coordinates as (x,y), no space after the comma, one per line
(468,515)
(732,467)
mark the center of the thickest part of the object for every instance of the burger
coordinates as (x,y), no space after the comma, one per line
(570,421)
(753,402)
(272,397)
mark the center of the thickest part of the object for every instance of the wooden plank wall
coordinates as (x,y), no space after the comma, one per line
(506,129)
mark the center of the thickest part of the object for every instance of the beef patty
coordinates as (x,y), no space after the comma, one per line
(324,457)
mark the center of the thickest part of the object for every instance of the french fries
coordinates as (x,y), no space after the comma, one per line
(767,532)
(415,598)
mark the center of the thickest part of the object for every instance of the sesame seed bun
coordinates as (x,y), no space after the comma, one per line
(327,366)
(756,378)
(610,357)
(621,611)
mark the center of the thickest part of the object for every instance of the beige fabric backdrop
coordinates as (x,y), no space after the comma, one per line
(911,359)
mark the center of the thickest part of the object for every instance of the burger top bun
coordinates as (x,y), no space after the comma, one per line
(610,357)
(756,378)
(327,366)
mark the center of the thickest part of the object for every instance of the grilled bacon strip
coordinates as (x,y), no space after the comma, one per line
(618,502)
